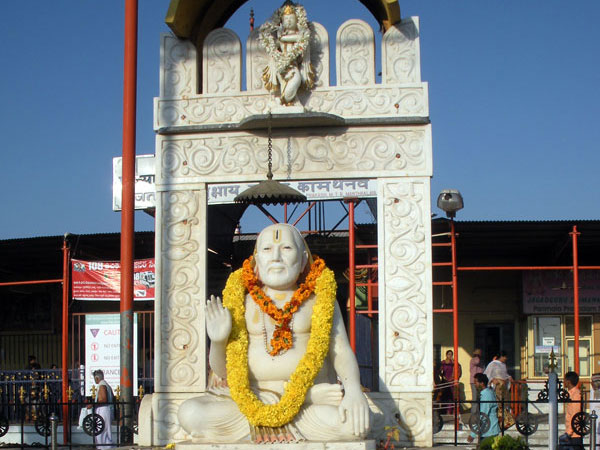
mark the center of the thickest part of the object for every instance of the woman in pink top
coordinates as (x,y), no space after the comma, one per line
(447,373)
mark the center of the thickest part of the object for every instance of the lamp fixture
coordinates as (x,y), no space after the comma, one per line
(269,191)
(450,201)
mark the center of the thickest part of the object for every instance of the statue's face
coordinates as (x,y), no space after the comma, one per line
(279,258)
(289,21)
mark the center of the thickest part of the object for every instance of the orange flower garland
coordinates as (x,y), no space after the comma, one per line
(282,335)
(317,348)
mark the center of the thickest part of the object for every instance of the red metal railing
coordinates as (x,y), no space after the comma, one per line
(368,281)
(575,268)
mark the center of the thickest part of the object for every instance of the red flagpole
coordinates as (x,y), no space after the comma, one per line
(127,203)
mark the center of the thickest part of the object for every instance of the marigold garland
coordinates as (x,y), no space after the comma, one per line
(282,335)
(302,379)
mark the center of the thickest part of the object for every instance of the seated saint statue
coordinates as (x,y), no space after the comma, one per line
(286,39)
(278,339)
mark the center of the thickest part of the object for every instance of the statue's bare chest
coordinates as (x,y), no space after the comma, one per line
(257,321)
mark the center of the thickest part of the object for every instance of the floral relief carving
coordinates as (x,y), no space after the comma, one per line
(178,74)
(222,62)
(180,280)
(407,302)
(410,413)
(400,53)
(256,61)
(355,54)
(245,154)
(319,53)
(166,422)
(374,102)
(347,103)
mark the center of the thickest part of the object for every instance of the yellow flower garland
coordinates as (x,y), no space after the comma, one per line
(309,366)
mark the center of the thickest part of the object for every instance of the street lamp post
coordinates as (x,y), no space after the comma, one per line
(451,201)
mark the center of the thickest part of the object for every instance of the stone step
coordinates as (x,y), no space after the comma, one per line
(537,439)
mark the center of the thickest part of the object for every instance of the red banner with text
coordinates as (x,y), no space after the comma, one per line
(101,280)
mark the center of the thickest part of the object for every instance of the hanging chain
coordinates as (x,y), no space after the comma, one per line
(269,149)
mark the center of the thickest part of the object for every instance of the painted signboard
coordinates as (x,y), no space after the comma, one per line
(102,349)
(313,189)
(145,186)
(101,280)
(551,291)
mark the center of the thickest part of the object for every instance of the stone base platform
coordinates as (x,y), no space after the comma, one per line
(348,445)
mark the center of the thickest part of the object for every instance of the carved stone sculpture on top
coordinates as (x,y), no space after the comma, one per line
(280,349)
(286,39)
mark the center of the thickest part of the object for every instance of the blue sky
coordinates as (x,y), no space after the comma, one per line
(513,86)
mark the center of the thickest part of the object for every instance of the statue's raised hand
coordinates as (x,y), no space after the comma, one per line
(218,320)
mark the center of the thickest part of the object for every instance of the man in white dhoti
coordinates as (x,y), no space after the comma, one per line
(104,398)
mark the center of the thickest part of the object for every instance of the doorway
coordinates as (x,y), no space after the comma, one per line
(493,338)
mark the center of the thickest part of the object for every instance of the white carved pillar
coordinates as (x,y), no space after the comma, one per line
(221,62)
(405,322)
(400,53)
(180,362)
(181,244)
(355,54)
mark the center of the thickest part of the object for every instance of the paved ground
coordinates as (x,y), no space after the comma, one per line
(135,447)
(441,447)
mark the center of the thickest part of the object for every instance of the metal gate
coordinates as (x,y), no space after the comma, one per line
(145,350)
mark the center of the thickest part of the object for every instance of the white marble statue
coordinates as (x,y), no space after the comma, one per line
(280,344)
(286,39)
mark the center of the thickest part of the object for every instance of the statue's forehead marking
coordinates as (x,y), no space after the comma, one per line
(276,235)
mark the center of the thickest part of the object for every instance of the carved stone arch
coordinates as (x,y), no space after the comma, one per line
(178,67)
(188,18)
(400,54)
(222,62)
(256,61)
(355,54)
(319,54)
(194,19)
(212,144)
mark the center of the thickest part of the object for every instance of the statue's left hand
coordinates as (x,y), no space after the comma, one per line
(354,407)
(324,394)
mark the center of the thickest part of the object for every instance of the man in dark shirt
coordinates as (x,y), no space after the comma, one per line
(33,364)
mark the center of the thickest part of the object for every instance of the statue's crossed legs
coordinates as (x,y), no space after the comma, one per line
(215,417)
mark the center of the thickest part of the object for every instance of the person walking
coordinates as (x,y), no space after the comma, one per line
(571,440)
(33,363)
(488,406)
(104,398)
(500,380)
(449,393)
(475,367)
(595,400)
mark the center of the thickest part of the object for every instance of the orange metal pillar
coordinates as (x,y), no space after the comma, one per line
(454,298)
(351,277)
(574,235)
(65,339)
(128,205)
(454,322)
